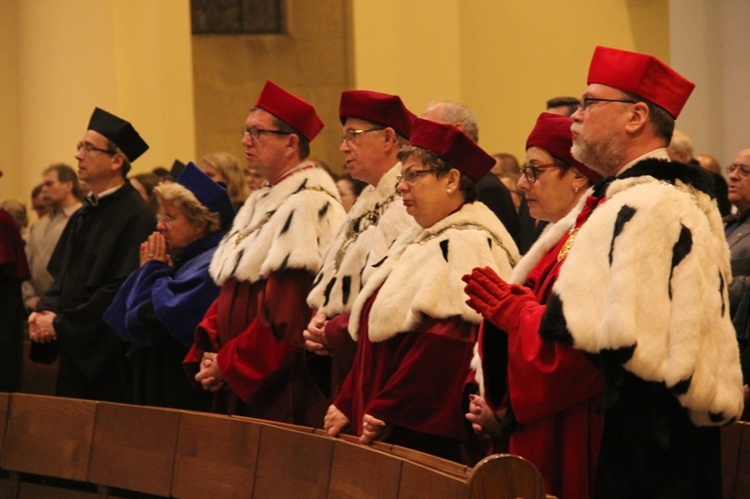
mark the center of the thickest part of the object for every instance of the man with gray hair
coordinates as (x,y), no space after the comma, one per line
(490,190)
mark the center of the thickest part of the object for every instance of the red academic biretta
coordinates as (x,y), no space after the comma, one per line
(641,74)
(383,109)
(552,133)
(452,145)
(290,109)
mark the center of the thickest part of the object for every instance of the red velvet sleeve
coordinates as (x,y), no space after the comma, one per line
(271,343)
(544,377)
(206,340)
(424,391)
(343,347)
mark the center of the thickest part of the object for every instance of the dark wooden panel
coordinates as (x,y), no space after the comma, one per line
(134,447)
(742,484)
(49,436)
(362,471)
(731,440)
(216,457)
(292,464)
(4,404)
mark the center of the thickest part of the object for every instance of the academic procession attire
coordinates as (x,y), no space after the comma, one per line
(415,332)
(377,218)
(97,251)
(265,267)
(552,390)
(644,289)
(158,308)
(13,270)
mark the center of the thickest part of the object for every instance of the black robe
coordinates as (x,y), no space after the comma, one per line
(96,252)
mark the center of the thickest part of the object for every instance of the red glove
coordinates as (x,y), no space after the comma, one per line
(497,301)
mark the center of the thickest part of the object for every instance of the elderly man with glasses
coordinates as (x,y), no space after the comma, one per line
(643,289)
(376,126)
(737,227)
(249,347)
(97,250)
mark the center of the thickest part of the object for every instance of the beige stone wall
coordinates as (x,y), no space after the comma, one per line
(310,60)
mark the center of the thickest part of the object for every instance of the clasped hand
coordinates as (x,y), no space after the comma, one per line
(496,300)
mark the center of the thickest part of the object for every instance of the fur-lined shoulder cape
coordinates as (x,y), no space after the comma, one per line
(377,218)
(421,274)
(645,286)
(285,226)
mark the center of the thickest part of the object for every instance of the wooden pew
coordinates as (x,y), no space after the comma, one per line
(735,460)
(125,449)
(133,448)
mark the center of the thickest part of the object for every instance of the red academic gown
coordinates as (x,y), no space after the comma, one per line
(257,331)
(414,382)
(553,390)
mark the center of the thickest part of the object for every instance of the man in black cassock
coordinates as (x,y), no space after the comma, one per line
(98,249)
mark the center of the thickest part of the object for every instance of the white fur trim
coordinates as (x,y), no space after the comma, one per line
(298,201)
(415,280)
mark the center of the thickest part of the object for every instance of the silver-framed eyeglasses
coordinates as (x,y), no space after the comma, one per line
(531,172)
(743,170)
(255,132)
(351,134)
(411,176)
(586,102)
(88,148)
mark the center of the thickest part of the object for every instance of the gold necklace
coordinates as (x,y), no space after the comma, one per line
(568,244)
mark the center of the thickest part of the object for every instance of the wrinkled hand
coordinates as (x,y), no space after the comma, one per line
(497,301)
(210,376)
(155,248)
(334,421)
(373,429)
(482,418)
(41,327)
(315,336)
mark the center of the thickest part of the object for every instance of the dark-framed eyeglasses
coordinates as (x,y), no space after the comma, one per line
(743,170)
(586,102)
(350,134)
(88,148)
(255,132)
(531,172)
(411,176)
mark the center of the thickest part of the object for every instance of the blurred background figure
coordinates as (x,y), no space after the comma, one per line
(19,213)
(40,205)
(564,106)
(253,179)
(507,170)
(349,190)
(144,183)
(223,167)
(63,195)
(681,149)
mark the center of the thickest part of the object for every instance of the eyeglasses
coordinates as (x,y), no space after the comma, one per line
(350,134)
(743,170)
(88,149)
(167,219)
(411,176)
(255,133)
(587,101)
(531,172)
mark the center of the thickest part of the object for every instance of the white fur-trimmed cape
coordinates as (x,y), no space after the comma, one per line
(646,282)
(288,225)
(421,274)
(334,290)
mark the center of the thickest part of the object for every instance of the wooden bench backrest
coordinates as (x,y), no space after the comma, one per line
(134,448)
(216,457)
(519,478)
(4,405)
(735,460)
(49,436)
